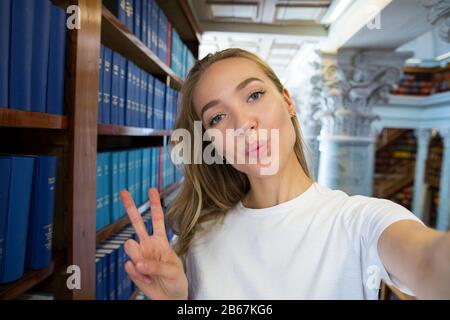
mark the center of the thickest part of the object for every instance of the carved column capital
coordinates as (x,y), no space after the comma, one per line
(439,16)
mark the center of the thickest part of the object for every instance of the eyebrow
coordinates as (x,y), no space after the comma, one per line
(240,86)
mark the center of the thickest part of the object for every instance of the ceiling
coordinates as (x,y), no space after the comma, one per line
(277,31)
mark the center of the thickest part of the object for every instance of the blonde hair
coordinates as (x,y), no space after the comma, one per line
(209,191)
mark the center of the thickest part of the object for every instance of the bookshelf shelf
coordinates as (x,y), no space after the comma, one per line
(29,280)
(114,130)
(116,35)
(122,222)
(29,119)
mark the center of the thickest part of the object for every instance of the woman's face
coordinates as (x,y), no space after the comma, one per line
(246,117)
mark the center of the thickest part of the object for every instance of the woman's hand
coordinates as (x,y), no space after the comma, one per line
(154,267)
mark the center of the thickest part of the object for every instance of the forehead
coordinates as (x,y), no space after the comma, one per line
(222,77)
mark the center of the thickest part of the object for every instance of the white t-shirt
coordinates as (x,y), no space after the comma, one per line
(320,245)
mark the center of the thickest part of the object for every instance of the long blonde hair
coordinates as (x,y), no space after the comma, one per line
(209,191)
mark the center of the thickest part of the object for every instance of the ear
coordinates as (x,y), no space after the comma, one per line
(289,102)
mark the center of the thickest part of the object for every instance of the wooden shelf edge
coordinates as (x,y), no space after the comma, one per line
(30,279)
(116,226)
(116,130)
(124,39)
(29,119)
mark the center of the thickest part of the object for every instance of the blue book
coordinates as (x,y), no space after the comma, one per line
(99,289)
(162,35)
(5,173)
(130,173)
(107,77)
(123,178)
(115,186)
(129,11)
(112,276)
(145,174)
(5,36)
(143,99)
(120,265)
(122,90)
(115,88)
(56,62)
(117,8)
(149,103)
(15,223)
(107,189)
(129,94)
(154,26)
(135,97)
(103,294)
(40,54)
(138,176)
(137,19)
(167,103)
(100,85)
(40,225)
(99,191)
(144,23)
(21,54)
(156,104)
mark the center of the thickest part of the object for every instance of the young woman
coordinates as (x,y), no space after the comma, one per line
(241,234)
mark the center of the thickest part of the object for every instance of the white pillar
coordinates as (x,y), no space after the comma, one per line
(423,141)
(443,218)
(353,81)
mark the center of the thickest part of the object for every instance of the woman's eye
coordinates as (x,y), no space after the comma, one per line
(256,95)
(214,120)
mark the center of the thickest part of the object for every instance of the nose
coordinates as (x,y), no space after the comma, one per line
(245,122)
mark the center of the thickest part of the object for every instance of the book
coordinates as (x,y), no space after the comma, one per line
(129,11)
(40,226)
(56,61)
(99,192)
(111,260)
(14,220)
(122,90)
(154,26)
(107,77)
(117,8)
(123,178)
(115,87)
(101,290)
(21,54)
(100,85)
(143,98)
(40,54)
(137,18)
(115,186)
(107,187)
(5,36)
(149,103)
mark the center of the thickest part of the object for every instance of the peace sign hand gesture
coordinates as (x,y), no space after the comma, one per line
(154,267)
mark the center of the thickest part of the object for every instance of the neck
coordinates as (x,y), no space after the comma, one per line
(268,191)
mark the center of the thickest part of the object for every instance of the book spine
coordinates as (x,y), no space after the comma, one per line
(5,39)
(169,43)
(107,185)
(154,26)
(107,77)
(115,186)
(100,85)
(21,54)
(144,22)
(99,195)
(115,88)
(137,18)
(149,114)
(5,173)
(57,61)
(21,180)
(41,42)
(129,11)
(40,229)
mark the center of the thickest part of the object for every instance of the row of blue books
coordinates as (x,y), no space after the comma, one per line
(148,22)
(27,200)
(130,96)
(112,281)
(32,55)
(136,170)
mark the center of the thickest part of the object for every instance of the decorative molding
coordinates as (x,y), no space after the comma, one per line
(439,16)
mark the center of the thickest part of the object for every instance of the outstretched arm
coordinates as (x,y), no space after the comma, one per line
(417,256)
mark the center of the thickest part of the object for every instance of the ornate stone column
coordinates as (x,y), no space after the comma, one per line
(423,140)
(353,81)
(309,116)
(443,219)
(439,16)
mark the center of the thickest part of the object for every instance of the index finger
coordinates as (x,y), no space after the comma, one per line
(135,217)
(157,213)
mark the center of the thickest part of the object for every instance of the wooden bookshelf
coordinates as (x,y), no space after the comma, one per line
(115,130)
(27,281)
(116,36)
(78,141)
(28,119)
(115,227)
